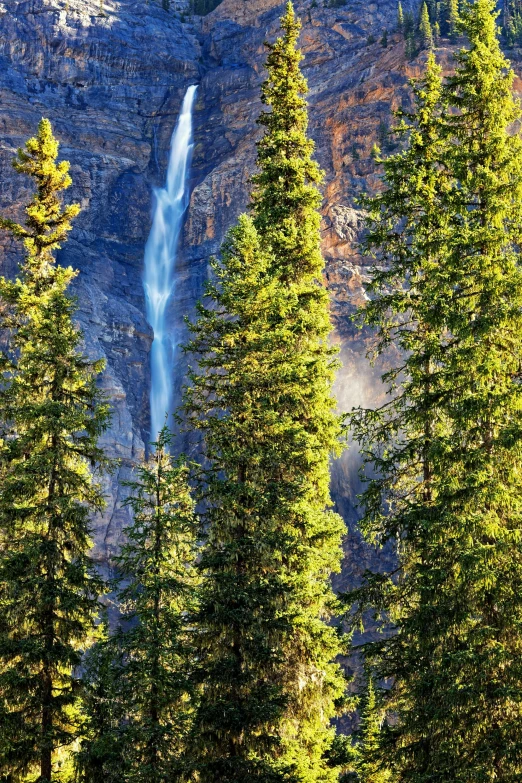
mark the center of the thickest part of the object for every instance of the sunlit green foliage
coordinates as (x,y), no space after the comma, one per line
(140,732)
(400,18)
(447,447)
(51,415)
(425,33)
(370,765)
(261,395)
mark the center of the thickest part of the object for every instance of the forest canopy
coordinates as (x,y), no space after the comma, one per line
(229,657)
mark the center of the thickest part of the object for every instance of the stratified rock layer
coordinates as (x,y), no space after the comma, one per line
(112,85)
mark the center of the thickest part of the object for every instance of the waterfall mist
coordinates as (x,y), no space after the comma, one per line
(159,279)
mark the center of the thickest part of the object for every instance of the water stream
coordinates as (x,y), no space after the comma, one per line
(159,277)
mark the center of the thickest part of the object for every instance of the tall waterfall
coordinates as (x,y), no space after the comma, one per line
(159,280)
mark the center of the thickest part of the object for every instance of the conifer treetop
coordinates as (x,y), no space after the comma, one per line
(400,18)
(425,28)
(488,157)
(483,73)
(47,222)
(286,198)
(283,60)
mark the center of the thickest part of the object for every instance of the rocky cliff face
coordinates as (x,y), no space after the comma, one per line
(112,85)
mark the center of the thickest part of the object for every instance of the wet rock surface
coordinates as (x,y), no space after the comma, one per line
(112,84)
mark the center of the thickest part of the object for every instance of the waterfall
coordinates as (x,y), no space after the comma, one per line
(159,279)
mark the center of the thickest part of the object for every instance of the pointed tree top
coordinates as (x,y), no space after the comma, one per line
(478,21)
(290,20)
(291,26)
(425,28)
(48,221)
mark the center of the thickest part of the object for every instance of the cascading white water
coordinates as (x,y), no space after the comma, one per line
(159,281)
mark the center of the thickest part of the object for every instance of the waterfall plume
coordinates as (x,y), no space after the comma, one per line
(159,280)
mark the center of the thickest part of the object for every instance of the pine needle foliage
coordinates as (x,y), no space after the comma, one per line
(400,18)
(261,395)
(452,21)
(101,751)
(157,596)
(266,652)
(139,700)
(425,33)
(286,199)
(52,415)
(447,447)
(369,763)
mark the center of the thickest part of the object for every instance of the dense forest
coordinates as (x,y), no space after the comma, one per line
(224,663)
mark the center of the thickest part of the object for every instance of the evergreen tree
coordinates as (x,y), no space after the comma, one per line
(453,17)
(411,45)
(51,415)
(271,545)
(101,755)
(400,18)
(285,204)
(244,615)
(432,10)
(512,21)
(409,30)
(409,24)
(158,578)
(447,448)
(286,199)
(426,36)
(408,225)
(369,763)
(261,396)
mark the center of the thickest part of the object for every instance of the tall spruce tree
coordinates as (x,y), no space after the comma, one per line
(265,651)
(400,18)
(147,664)
(51,415)
(410,37)
(243,616)
(512,21)
(425,33)
(286,200)
(447,448)
(452,19)
(261,395)
(369,764)
(408,224)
